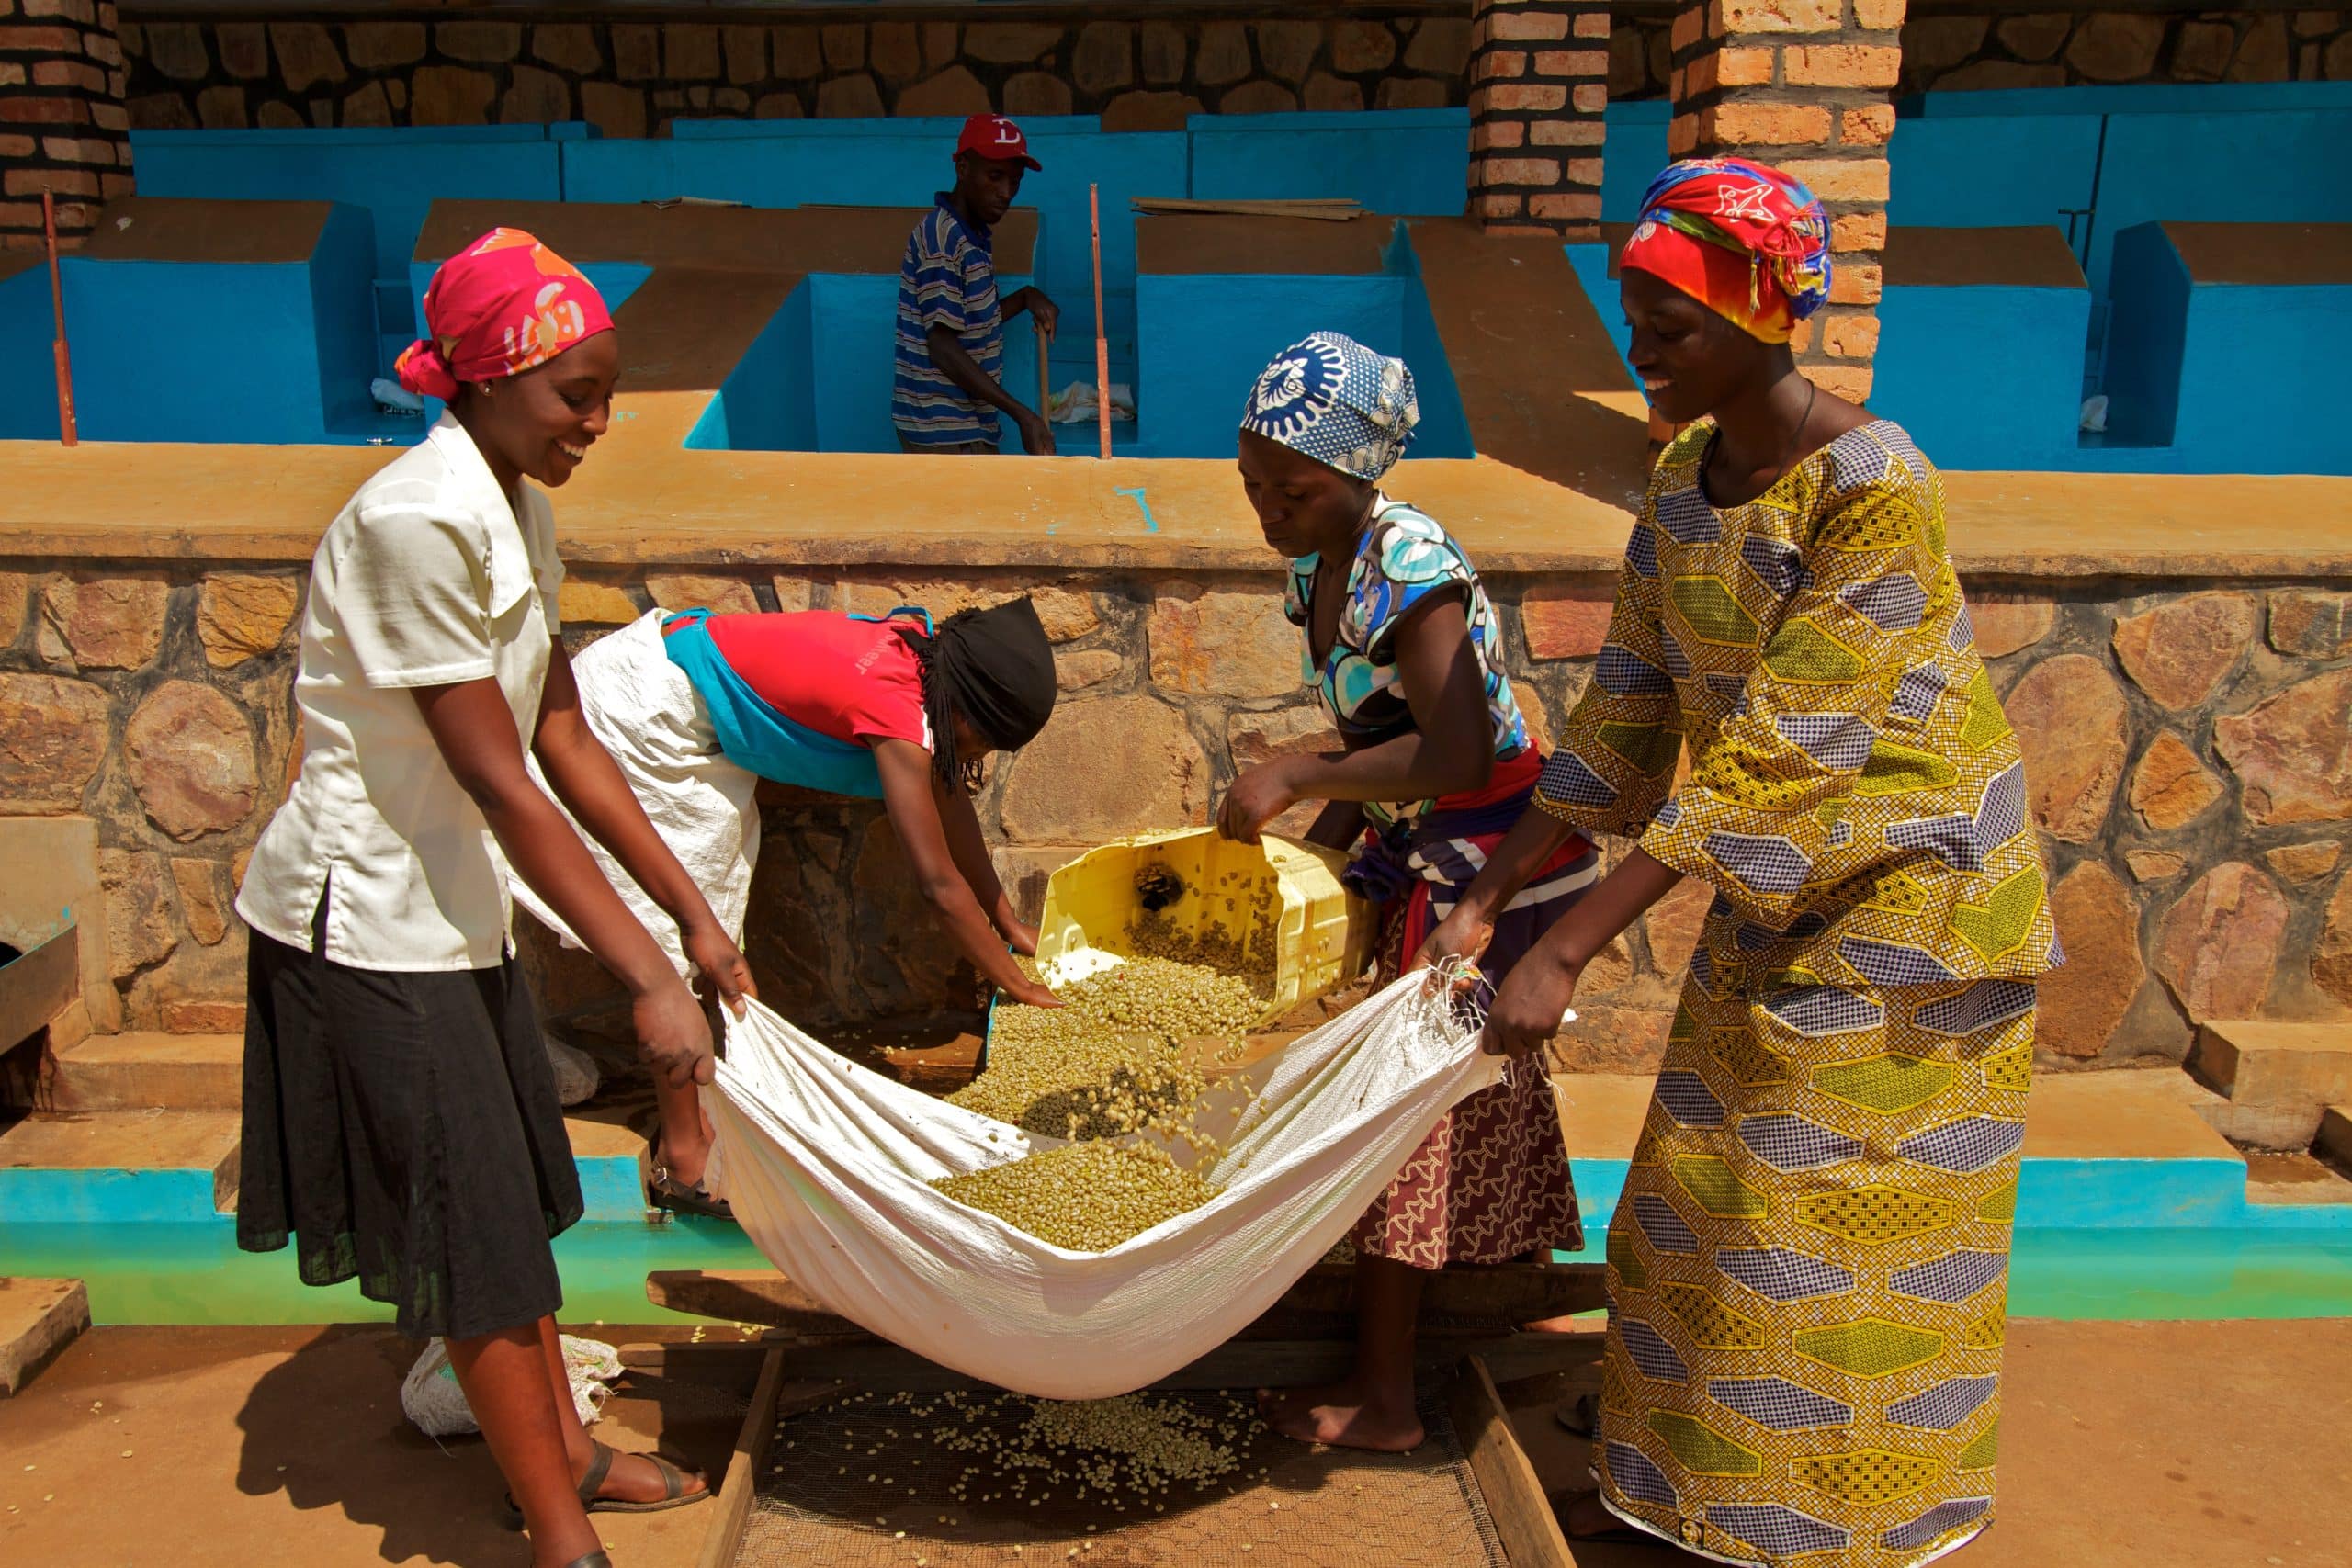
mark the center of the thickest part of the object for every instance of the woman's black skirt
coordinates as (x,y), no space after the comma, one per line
(403,1128)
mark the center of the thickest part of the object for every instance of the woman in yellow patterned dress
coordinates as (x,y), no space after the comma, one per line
(1806,1269)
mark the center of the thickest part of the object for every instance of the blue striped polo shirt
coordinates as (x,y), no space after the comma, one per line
(948,278)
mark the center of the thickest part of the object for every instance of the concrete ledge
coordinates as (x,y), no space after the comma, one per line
(114,1166)
(2277,1062)
(2333,1139)
(158,502)
(38,1319)
(145,1071)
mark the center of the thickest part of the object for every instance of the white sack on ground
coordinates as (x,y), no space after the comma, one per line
(826,1164)
(430,1395)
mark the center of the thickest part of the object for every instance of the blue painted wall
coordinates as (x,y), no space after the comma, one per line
(1632,154)
(2023,417)
(2251,166)
(905,163)
(2047,163)
(1444,430)
(817,377)
(1193,382)
(2230,377)
(395,174)
(2145,337)
(2160,97)
(292,344)
(28,373)
(1407,162)
(769,401)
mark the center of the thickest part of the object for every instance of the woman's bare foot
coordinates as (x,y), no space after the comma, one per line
(1583,1516)
(1350,1414)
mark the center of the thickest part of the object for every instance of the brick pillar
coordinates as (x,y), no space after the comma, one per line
(1804,85)
(63,124)
(1539,81)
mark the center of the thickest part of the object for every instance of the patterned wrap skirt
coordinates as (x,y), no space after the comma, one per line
(1807,1273)
(1491,1182)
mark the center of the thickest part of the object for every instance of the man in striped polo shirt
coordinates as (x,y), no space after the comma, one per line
(949,382)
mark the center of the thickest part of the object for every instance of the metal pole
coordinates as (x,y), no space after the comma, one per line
(65,430)
(1102,342)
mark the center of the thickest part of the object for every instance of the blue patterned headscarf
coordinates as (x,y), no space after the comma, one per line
(1337,401)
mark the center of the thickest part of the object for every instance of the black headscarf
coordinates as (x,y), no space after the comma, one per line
(995,666)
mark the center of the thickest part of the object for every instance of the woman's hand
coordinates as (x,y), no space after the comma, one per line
(1018,936)
(1258,796)
(715,953)
(1527,1009)
(1459,935)
(673,1034)
(1029,993)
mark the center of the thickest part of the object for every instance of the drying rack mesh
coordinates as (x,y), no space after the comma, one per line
(865,1483)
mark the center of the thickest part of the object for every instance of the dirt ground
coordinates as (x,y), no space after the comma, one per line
(2217,1445)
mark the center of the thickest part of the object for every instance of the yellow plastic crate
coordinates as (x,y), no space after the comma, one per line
(1202,883)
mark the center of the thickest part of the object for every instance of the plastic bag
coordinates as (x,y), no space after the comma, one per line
(826,1164)
(430,1395)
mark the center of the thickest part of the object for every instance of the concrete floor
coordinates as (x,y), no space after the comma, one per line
(2176,1445)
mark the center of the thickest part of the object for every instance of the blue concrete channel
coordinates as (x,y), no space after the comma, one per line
(2095,1238)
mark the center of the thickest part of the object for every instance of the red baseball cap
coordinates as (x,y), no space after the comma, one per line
(993,136)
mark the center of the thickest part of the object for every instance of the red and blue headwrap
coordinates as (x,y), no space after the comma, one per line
(1742,238)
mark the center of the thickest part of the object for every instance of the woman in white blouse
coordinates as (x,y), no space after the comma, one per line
(401,1123)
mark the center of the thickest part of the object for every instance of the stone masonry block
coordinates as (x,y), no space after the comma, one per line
(1531,23)
(1840,65)
(190,754)
(107,623)
(2179,651)
(2217,948)
(1057,791)
(1732,17)
(1747,123)
(1221,642)
(53,737)
(1842,179)
(2071,720)
(240,615)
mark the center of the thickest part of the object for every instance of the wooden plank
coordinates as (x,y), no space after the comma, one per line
(1515,1500)
(37,986)
(1321,1303)
(1329,212)
(724,1538)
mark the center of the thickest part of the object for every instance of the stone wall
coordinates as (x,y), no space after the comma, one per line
(632,78)
(2021,48)
(2017,46)
(2187,747)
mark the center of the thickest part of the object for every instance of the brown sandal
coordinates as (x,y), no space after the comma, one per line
(600,1464)
(663,1191)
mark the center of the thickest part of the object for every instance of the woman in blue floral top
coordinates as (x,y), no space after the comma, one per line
(1401,646)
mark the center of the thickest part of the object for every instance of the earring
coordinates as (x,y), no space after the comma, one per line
(485,389)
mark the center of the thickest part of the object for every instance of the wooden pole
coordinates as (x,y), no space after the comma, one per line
(1102,342)
(1045,389)
(65,429)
